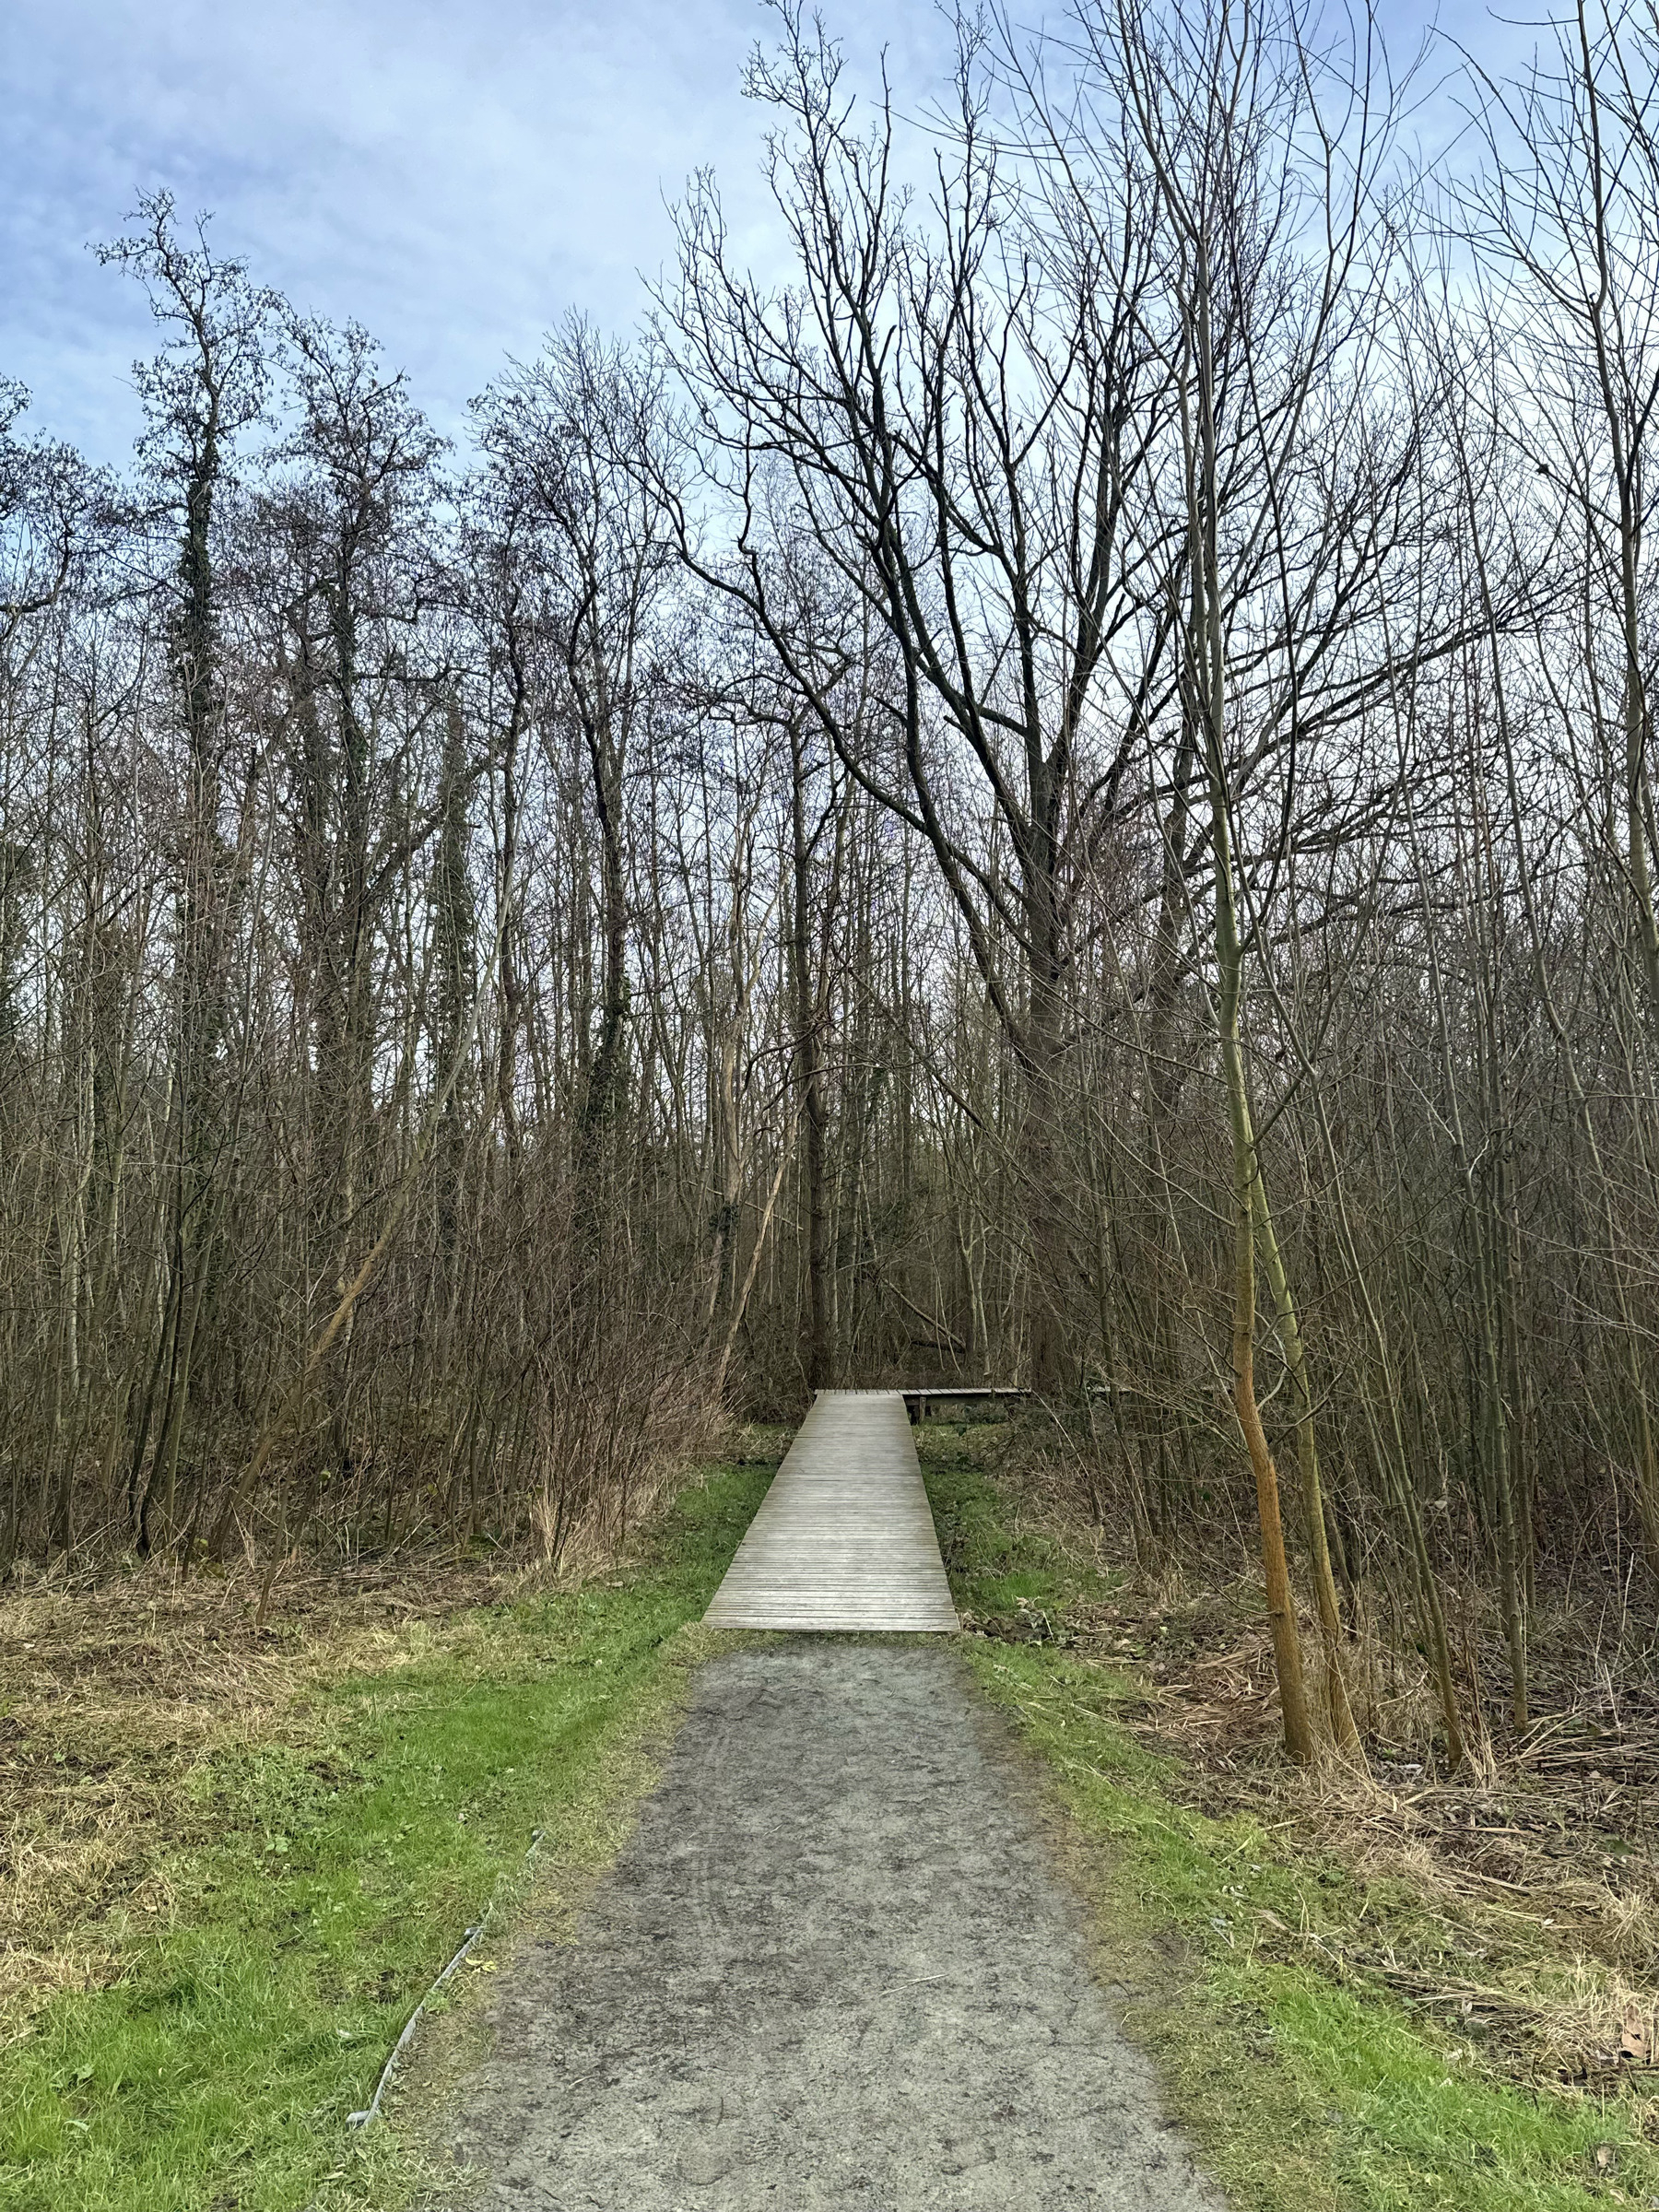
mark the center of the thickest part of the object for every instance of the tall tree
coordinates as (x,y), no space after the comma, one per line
(201,394)
(955,415)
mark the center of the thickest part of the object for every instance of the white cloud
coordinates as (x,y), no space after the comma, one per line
(454,176)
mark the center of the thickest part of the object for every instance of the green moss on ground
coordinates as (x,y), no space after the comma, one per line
(338,1871)
(1306,2089)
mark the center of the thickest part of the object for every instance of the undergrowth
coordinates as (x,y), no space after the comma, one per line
(309,1865)
(1256,1956)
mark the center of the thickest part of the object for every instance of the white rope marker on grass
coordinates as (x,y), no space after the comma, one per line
(371,2109)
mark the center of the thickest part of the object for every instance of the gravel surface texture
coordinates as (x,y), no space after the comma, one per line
(834,1970)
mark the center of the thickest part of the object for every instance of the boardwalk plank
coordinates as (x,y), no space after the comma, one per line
(844,1538)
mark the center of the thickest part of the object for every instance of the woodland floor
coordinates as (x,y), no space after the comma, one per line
(1395,1992)
(235,1849)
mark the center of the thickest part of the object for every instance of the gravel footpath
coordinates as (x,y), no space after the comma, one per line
(832,1972)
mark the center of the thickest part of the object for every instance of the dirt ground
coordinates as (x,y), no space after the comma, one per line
(833,1971)
(113,1689)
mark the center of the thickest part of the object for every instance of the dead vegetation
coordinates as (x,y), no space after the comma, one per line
(120,1685)
(115,1692)
(1515,1903)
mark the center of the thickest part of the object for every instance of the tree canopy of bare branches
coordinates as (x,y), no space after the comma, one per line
(1062,794)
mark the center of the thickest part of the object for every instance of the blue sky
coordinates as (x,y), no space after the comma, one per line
(454,176)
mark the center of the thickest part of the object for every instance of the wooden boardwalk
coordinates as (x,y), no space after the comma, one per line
(843,1538)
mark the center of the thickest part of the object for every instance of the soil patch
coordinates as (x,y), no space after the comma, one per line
(834,1968)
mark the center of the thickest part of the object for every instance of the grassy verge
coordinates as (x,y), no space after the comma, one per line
(1309,2086)
(308,1856)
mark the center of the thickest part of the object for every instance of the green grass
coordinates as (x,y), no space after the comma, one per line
(1307,2089)
(332,1872)
(339,1871)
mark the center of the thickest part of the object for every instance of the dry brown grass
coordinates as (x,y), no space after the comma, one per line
(1515,1903)
(117,1686)
(113,1694)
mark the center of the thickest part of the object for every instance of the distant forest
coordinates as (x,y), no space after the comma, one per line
(1064,796)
